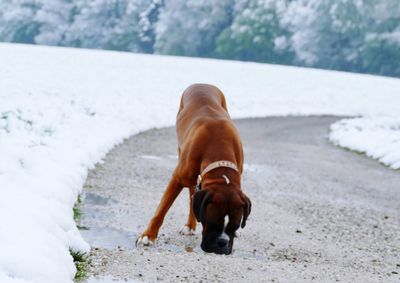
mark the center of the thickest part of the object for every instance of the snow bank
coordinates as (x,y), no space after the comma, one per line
(62,110)
(377,137)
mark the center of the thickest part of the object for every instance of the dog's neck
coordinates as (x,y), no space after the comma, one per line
(223,168)
(219,164)
(222,177)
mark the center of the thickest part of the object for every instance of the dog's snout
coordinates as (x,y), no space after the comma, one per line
(219,244)
(222,242)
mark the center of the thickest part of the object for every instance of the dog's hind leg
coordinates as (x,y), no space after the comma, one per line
(190,226)
(150,234)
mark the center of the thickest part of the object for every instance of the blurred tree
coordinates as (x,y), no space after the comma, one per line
(350,35)
(381,48)
(114,24)
(191,27)
(54,19)
(328,33)
(17,20)
(97,25)
(148,19)
(256,34)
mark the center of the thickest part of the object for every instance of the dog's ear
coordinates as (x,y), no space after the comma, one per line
(246,209)
(200,201)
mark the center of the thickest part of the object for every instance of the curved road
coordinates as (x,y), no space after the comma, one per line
(320,213)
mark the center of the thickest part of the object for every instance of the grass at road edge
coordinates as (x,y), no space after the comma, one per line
(76,210)
(80,258)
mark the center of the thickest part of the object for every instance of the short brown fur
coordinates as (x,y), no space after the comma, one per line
(205,134)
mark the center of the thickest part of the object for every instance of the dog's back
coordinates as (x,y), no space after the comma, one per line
(205,129)
(202,94)
(200,103)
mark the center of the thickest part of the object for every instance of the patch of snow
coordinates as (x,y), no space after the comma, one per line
(62,110)
(254,168)
(377,137)
(173,157)
(151,157)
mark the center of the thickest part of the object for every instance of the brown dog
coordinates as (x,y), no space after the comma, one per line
(210,165)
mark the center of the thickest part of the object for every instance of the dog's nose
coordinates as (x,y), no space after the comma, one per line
(222,242)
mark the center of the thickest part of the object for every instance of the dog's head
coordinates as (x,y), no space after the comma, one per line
(221,212)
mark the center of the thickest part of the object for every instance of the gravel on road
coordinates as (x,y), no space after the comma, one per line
(320,213)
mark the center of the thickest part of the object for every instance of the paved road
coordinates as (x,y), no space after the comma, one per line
(320,213)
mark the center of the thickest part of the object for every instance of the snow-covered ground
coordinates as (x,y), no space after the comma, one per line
(62,110)
(377,137)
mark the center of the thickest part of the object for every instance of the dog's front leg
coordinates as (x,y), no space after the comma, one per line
(149,236)
(190,227)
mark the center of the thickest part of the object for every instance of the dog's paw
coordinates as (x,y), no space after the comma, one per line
(144,241)
(186,230)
